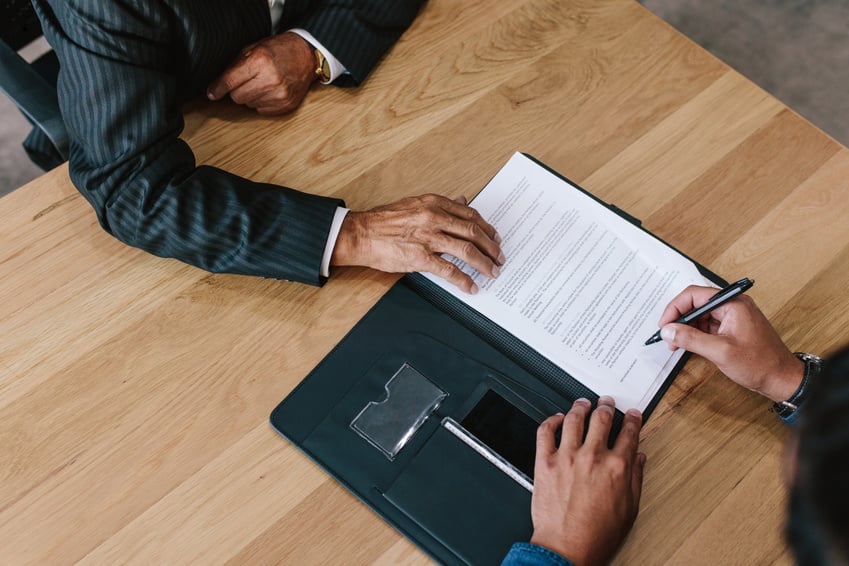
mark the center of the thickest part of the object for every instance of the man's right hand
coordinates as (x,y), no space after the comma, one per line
(738,339)
(271,76)
(413,233)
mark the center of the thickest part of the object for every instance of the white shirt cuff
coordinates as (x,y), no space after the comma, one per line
(336,68)
(335,226)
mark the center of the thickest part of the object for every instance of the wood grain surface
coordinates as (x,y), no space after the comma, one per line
(135,391)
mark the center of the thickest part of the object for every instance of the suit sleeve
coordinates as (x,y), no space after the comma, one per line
(359,32)
(119,97)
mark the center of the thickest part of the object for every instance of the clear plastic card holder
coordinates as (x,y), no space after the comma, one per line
(388,424)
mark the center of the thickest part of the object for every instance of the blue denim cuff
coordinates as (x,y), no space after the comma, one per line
(526,554)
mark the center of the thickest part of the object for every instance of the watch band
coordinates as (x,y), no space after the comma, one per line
(813,365)
(322,66)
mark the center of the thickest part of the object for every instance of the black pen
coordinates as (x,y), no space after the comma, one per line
(721,297)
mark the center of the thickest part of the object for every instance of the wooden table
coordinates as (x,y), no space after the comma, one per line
(135,391)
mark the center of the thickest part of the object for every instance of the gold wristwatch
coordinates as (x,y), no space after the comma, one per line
(322,66)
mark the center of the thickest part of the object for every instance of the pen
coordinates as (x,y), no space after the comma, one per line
(721,297)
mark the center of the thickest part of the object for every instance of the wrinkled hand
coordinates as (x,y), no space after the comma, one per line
(586,496)
(738,339)
(411,234)
(271,76)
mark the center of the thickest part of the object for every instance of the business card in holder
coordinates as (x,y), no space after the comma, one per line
(388,424)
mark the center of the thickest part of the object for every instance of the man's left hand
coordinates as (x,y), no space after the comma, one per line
(586,495)
(271,76)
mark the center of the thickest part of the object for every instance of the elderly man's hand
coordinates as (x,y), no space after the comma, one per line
(586,496)
(271,76)
(411,234)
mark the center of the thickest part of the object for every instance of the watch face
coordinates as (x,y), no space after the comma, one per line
(806,357)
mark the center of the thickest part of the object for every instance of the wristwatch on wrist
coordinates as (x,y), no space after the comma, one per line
(813,365)
(322,66)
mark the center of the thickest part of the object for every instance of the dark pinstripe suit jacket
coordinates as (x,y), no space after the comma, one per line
(125,69)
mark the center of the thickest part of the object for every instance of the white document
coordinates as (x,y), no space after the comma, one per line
(581,285)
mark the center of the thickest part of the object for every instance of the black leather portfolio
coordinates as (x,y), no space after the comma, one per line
(427,412)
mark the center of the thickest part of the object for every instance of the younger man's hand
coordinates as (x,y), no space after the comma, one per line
(586,496)
(738,339)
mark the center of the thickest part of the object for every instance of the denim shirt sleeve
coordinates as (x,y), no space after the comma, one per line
(793,417)
(526,554)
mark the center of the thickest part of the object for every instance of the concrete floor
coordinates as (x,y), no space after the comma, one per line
(15,167)
(798,50)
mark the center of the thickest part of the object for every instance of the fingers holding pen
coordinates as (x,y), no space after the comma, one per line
(690,298)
